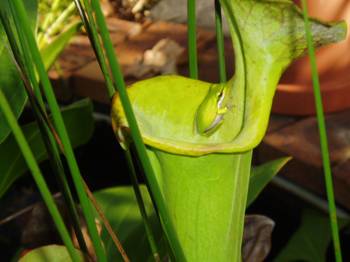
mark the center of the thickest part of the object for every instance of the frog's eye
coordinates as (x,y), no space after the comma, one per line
(220,94)
(220,98)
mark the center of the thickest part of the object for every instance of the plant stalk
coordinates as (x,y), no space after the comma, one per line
(192,38)
(37,175)
(59,123)
(107,225)
(56,25)
(28,76)
(323,137)
(220,42)
(91,29)
(135,132)
(141,205)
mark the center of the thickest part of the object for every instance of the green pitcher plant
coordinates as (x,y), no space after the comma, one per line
(200,135)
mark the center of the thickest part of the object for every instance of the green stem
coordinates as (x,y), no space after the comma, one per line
(192,38)
(57,24)
(140,202)
(22,58)
(34,168)
(220,42)
(27,72)
(91,29)
(29,79)
(323,138)
(107,225)
(92,34)
(61,129)
(48,19)
(135,132)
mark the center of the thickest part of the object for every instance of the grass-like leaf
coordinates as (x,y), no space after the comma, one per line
(192,38)
(220,42)
(323,136)
(33,166)
(22,19)
(9,76)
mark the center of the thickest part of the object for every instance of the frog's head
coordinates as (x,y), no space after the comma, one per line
(210,113)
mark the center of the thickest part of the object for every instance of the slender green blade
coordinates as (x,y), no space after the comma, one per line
(134,129)
(220,42)
(21,16)
(91,28)
(121,208)
(34,168)
(323,137)
(10,82)
(192,38)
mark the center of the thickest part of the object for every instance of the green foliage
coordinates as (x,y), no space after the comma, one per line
(45,6)
(262,175)
(323,134)
(51,51)
(10,81)
(310,242)
(121,209)
(79,122)
(52,253)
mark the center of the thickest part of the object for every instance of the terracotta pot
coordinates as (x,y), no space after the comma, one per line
(294,95)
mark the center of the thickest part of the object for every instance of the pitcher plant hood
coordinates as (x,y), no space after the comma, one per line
(191,117)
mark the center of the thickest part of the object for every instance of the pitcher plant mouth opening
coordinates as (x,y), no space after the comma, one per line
(192,117)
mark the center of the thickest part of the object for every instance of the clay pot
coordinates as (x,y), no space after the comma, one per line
(294,95)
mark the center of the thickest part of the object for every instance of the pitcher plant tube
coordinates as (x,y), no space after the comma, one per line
(200,135)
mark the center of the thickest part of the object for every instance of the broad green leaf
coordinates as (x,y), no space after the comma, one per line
(50,52)
(262,175)
(186,123)
(52,253)
(79,122)
(310,242)
(10,82)
(121,209)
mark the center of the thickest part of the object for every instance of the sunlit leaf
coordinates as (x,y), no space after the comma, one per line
(52,253)
(262,175)
(50,52)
